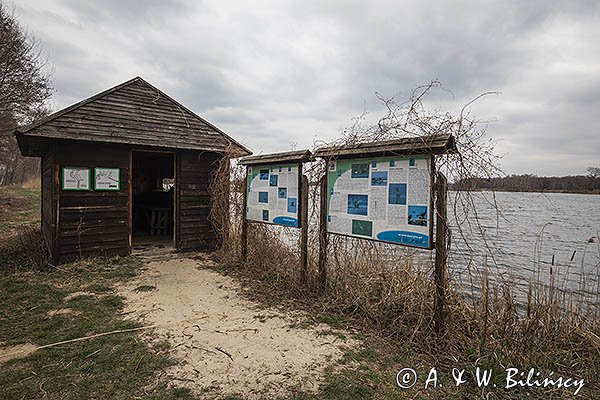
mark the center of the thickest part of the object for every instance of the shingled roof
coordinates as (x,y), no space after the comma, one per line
(272,158)
(132,113)
(430,144)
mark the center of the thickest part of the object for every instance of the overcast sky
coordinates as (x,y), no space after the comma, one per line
(273,73)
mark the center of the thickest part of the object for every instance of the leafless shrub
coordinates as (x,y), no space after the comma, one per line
(227,187)
(24,251)
(390,288)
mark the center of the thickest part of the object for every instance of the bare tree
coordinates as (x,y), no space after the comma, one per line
(24,88)
(594,172)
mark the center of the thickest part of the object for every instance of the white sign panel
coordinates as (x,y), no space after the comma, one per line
(106,179)
(272,194)
(76,178)
(386,199)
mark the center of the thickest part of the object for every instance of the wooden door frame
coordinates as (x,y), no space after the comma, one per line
(130,195)
(175,198)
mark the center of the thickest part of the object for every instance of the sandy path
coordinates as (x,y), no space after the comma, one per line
(226,343)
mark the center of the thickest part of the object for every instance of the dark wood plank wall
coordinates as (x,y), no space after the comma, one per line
(93,222)
(83,223)
(194,229)
(48,194)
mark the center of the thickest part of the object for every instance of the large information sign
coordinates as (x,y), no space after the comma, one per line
(386,199)
(272,194)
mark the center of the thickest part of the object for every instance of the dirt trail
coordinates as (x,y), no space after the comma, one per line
(226,343)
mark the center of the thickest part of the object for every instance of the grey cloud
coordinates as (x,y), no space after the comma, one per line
(275,72)
(136,12)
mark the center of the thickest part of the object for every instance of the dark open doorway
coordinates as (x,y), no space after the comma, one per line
(152,199)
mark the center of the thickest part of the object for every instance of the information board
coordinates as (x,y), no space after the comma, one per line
(386,199)
(106,179)
(76,178)
(272,193)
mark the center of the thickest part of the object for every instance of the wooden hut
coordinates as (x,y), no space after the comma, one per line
(127,166)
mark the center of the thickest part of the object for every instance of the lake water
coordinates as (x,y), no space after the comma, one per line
(545,238)
(552,238)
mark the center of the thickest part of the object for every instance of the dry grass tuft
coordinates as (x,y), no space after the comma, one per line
(24,251)
(33,182)
(389,290)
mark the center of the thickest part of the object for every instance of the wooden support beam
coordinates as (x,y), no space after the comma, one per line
(323,239)
(441,255)
(244,238)
(304,230)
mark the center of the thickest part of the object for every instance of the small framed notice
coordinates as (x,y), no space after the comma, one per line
(76,178)
(106,179)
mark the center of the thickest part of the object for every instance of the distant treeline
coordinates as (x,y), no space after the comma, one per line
(532,183)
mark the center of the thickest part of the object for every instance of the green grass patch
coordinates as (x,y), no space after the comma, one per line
(305,323)
(330,332)
(114,366)
(335,321)
(99,288)
(18,206)
(145,288)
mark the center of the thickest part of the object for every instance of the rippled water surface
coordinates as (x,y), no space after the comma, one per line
(551,237)
(544,238)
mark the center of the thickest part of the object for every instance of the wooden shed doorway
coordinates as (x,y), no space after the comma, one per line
(153,199)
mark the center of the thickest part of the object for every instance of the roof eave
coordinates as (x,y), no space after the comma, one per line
(433,144)
(31,128)
(275,158)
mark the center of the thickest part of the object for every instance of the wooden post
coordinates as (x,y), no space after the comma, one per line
(130,202)
(304,231)
(323,239)
(56,200)
(244,238)
(441,255)
(224,228)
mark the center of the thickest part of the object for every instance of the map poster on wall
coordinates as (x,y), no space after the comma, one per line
(106,179)
(272,194)
(76,178)
(386,199)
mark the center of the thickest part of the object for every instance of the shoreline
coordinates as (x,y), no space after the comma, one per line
(593,192)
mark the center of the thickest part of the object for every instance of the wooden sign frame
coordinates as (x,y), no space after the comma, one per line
(299,183)
(294,157)
(118,188)
(431,145)
(62,179)
(367,159)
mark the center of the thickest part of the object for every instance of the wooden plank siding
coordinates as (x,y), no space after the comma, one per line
(85,223)
(92,222)
(194,229)
(103,131)
(48,192)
